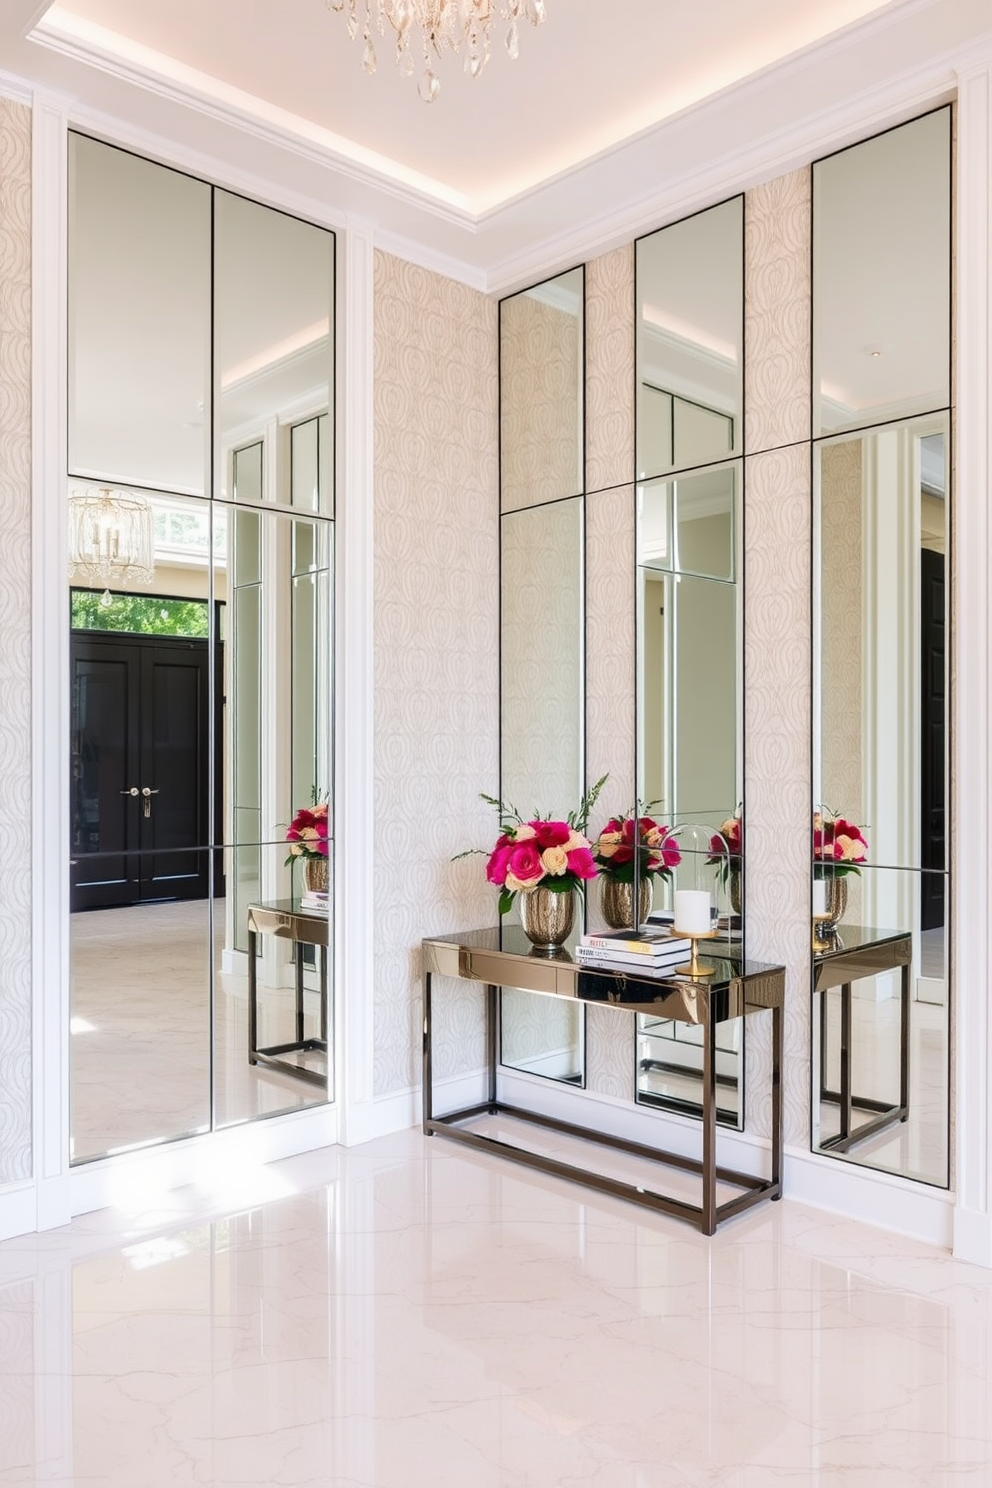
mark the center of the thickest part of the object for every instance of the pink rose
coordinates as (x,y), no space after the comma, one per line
(499,862)
(582,863)
(551,833)
(525,863)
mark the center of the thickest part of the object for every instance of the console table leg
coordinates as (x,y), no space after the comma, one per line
(252,997)
(428,1089)
(492,1040)
(904,1043)
(708,1224)
(298,957)
(846,1000)
(777,1098)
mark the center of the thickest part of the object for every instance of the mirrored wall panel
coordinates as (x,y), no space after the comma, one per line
(542,1036)
(690,333)
(689,704)
(272,317)
(542,395)
(201,658)
(882,277)
(139,320)
(881,1056)
(669,1072)
(542,654)
(882,645)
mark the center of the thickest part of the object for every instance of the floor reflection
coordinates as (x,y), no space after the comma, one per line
(403,1315)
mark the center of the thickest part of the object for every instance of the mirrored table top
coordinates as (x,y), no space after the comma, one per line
(850,939)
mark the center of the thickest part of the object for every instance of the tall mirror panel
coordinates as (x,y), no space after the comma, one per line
(882,278)
(689,636)
(690,325)
(200,654)
(542,396)
(881,892)
(542,612)
(139,321)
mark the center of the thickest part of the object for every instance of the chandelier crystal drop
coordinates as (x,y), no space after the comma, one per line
(111,539)
(434,26)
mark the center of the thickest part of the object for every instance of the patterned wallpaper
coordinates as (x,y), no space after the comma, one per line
(541,361)
(436,649)
(777,228)
(15,641)
(610,370)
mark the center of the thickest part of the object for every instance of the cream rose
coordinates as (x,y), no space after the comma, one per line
(575,841)
(850,850)
(521,885)
(555,860)
(608,844)
(523,833)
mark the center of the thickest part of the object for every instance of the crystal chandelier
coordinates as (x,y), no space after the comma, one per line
(451,24)
(111,539)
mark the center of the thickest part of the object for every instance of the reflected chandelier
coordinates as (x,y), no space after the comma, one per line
(111,539)
(450,24)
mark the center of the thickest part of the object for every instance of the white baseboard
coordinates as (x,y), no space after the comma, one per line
(973,1237)
(365,1121)
(212,1161)
(917,1210)
(18,1210)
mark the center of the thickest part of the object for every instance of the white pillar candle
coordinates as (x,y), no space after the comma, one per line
(819,896)
(692,911)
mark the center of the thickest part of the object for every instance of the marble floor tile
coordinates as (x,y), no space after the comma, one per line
(409,1315)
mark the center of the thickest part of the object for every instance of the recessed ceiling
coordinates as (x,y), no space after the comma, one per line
(593,75)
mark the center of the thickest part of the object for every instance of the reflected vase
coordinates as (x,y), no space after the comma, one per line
(546,917)
(316,875)
(617,903)
(734,880)
(836,903)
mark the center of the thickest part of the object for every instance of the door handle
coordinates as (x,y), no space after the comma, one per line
(132,792)
(148,793)
(145,792)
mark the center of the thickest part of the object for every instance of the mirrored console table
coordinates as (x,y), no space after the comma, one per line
(286,920)
(504,957)
(856,952)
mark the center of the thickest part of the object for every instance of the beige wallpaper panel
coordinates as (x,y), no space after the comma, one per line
(15,641)
(777,228)
(436,649)
(610,369)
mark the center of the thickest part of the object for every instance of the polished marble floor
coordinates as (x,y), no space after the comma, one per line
(406,1315)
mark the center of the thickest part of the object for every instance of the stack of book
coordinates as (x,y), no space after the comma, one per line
(315,899)
(643,952)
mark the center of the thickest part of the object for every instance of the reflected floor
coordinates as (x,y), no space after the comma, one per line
(407,1315)
(140,1030)
(917,1147)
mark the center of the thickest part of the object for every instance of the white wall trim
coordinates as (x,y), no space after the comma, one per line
(971,944)
(50,665)
(206,1160)
(354,786)
(18,1209)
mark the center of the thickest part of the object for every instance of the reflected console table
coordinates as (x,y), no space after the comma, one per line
(287,921)
(503,957)
(856,952)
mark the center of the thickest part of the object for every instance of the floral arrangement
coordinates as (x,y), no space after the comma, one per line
(555,855)
(307,832)
(839,846)
(656,851)
(731,833)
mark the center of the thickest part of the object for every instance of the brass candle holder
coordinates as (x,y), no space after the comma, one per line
(821,940)
(695,968)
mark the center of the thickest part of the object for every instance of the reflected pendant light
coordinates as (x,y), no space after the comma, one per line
(111,539)
(435,25)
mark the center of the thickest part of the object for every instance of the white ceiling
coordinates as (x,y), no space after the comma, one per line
(594,74)
(591,138)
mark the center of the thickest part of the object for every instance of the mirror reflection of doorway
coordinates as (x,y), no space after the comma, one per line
(140,766)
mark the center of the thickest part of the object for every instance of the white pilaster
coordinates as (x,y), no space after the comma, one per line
(972,742)
(353,795)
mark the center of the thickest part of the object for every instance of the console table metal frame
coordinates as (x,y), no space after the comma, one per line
(841,967)
(303,927)
(740,992)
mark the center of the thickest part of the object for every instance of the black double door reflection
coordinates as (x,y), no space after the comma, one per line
(140,776)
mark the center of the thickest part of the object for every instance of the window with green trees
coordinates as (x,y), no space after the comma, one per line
(139,614)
